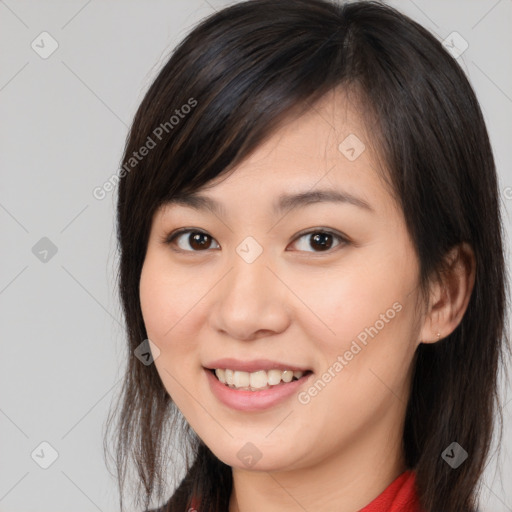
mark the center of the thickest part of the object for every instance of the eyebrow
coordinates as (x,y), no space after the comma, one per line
(284,202)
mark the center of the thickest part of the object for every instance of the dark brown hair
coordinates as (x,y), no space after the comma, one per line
(251,66)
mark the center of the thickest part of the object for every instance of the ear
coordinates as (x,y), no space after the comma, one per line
(450,296)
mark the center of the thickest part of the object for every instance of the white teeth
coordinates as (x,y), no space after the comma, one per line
(258,379)
(287,376)
(221,375)
(274,377)
(255,380)
(241,379)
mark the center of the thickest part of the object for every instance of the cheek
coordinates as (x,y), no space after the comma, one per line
(345,303)
(367,314)
(156,300)
(164,310)
(167,301)
(168,313)
(366,364)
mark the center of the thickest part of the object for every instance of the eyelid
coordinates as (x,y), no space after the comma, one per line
(343,239)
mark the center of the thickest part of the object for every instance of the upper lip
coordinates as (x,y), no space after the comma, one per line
(253,365)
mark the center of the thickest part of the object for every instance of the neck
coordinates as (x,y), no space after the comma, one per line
(346,480)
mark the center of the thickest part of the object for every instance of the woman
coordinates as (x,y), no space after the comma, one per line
(312,269)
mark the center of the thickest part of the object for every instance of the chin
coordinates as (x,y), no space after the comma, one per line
(251,456)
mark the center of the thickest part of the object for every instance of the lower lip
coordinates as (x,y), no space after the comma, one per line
(253,400)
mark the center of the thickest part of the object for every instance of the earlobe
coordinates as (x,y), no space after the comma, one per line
(452,295)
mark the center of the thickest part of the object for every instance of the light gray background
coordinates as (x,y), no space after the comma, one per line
(63,124)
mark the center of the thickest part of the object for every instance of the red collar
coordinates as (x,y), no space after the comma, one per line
(399,496)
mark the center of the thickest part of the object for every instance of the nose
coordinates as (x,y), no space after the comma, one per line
(250,302)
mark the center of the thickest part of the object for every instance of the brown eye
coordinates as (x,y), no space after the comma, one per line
(320,241)
(196,240)
(189,240)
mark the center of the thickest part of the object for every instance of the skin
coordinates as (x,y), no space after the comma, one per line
(298,304)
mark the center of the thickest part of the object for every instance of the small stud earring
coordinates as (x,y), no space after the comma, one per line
(438,334)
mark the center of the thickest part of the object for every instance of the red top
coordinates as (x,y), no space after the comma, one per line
(399,496)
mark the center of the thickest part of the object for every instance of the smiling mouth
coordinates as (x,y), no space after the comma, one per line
(257,381)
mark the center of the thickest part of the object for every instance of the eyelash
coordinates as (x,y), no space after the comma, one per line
(343,240)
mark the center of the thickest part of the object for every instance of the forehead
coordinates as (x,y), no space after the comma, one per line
(322,154)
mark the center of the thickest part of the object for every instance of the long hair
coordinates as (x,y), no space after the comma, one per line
(225,89)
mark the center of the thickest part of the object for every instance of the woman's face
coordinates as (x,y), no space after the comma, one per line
(326,285)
